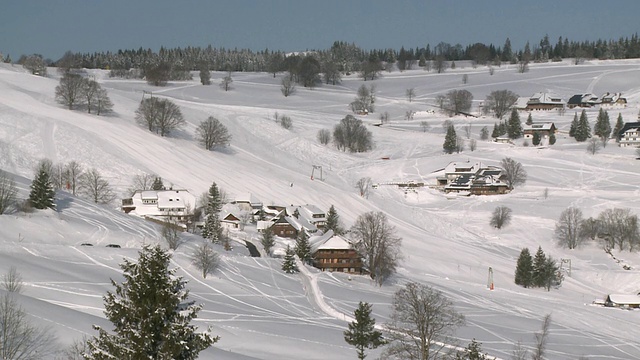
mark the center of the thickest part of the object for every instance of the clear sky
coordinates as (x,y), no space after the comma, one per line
(53,27)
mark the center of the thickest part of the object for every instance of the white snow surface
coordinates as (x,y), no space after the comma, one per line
(259,311)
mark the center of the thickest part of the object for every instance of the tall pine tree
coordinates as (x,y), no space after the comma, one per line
(514,127)
(618,127)
(289,262)
(450,140)
(583,130)
(524,269)
(333,221)
(602,128)
(362,333)
(574,125)
(212,228)
(551,273)
(303,249)
(539,272)
(42,195)
(150,314)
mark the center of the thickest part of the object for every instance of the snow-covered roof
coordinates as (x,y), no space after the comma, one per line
(521,103)
(538,126)
(149,194)
(247,198)
(173,199)
(544,98)
(462,167)
(335,242)
(624,299)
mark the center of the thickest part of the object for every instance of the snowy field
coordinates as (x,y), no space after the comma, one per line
(261,313)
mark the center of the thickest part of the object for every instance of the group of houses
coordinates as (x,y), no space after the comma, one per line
(331,252)
(551,101)
(466,178)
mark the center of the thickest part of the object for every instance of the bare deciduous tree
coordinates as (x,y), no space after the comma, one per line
(205,259)
(211,133)
(499,103)
(171,234)
(410,93)
(159,115)
(363,185)
(376,240)
(287,86)
(95,187)
(457,102)
(473,144)
(70,91)
(8,192)
(12,280)
(384,117)
(225,83)
(542,338)
(351,134)
(422,322)
(619,226)
(72,170)
(142,182)
(19,338)
(425,126)
(76,349)
(593,146)
(35,63)
(514,172)
(568,228)
(324,136)
(501,217)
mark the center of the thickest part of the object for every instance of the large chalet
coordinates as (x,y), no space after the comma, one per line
(335,253)
(162,205)
(472,179)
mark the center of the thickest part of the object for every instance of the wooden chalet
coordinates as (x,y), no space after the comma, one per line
(335,253)
(284,227)
(540,101)
(544,129)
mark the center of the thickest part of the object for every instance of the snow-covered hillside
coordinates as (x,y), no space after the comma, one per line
(262,313)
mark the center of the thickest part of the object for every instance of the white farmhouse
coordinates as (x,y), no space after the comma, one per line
(162,205)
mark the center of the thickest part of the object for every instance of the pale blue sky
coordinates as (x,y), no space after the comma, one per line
(52,27)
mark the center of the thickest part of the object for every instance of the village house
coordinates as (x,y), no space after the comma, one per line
(544,129)
(629,135)
(334,253)
(162,205)
(583,100)
(622,301)
(540,101)
(472,179)
(613,99)
(247,202)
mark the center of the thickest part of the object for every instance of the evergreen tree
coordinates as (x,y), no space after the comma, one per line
(267,240)
(473,351)
(514,127)
(552,276)
(536,138)
(303,249)
(552,139)
(583,130)
(289,262)
(450,140)
(502,128)
(602,128)
(529,120)
(539,272)
(362,333)
(212,228)
(484,133)
(496,131)
(150,314)
(157,184)
(333,221)
(618,127)
(42,195)
(524,269)
(574,125)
